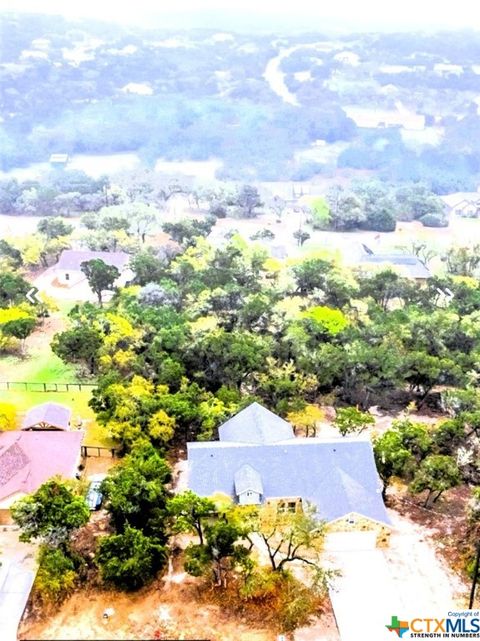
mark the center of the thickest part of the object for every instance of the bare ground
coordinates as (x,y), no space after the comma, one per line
(174,610)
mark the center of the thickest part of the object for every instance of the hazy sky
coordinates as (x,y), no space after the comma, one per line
(391,13)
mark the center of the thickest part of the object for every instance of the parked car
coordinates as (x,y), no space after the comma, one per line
(94,497)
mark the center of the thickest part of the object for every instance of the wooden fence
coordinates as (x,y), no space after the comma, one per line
(94,450)
(44,387)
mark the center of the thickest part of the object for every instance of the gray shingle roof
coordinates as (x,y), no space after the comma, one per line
(72,259)
(407,265)
(246,478)
(338,476)
(255,424)
(48,415)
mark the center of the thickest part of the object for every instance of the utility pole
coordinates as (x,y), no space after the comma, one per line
(475,577)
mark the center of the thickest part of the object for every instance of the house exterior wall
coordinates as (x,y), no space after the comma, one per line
(5,517)
(69,277)
(356,523)
(249,498)
(72,277)
(286,503)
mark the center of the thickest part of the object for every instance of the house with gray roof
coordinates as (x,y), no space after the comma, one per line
(405,265)
(258,460)
(255,424)
(365,259)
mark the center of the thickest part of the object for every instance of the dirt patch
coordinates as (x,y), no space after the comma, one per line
(97,465)
(44,334)
(173,611)
(445,525)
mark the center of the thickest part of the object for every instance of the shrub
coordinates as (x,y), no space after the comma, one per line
(56,575)
(434,220)
(130,560)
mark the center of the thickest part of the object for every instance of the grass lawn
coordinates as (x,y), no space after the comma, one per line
(76,400)
(43,367)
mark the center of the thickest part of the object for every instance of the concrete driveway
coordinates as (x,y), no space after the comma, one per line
(17,574)
(408,579)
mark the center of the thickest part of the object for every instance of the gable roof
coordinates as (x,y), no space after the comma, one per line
(72,259)
(47,415)
(246,478)
(28,459)
(255,424)
(338,476)
(406,264)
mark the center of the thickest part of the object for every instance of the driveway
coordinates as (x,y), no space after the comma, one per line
(17,574)
(407,579)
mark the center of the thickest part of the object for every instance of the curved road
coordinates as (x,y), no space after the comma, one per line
(276,78)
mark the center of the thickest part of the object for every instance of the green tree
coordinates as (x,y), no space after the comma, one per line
(13,289)
(463,261)
(147,267)
(100,276)
(130,560)
(325,321)
(436,474)
(415,437)
(54,227)
(301,236)
(135,492)
(79,344)
(221,553)
(12,255)
(346,209)
(184,232)
(391,457)
(51,513)
(248,201)
(350,420)
(288,536)
(189,511)
(319,214)
(20,328)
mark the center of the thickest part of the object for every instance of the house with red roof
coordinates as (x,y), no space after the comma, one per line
(29,458)
(47,416)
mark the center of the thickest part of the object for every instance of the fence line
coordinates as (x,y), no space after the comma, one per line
(112,451)
(44,387)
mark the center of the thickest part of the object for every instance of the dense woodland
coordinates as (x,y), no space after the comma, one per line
(208,98)
(201,333)
(204,328)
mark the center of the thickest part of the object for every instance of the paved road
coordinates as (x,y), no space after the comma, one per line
(17,574)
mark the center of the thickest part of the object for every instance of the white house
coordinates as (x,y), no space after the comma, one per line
(68,270)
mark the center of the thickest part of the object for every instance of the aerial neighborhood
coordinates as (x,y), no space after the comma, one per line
(239,330)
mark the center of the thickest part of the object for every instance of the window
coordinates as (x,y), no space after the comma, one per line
(287,506)
(67,276)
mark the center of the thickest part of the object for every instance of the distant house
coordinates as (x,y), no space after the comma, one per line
(47,416)
(378,118)
(259,460)
(68,270)
(29,458)
(405,265)
(468,208)
(465,204)
(59,160)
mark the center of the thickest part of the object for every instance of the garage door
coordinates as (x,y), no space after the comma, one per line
(345,541)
